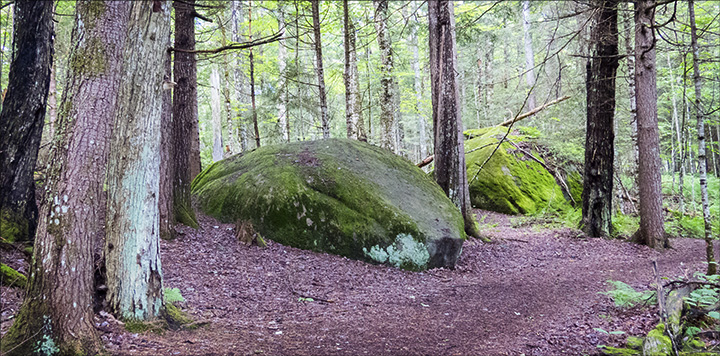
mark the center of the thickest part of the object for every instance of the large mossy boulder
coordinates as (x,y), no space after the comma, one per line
(338,196)
(511,182)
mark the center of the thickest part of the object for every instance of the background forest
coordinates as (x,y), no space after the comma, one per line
(512,56)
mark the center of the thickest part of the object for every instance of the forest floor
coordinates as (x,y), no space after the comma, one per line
(533,291)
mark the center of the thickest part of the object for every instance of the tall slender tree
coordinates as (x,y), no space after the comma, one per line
(388,100)
(353,110)
(652,230)
(22,118)
(216,108)
(132,249)
(319,69)
(240,87)
(450,170)
(184,113)
(599,141)
(283,120)
(702,155)
(58,306)
(167,164)
(529,54)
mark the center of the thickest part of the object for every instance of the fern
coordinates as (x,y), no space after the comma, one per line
(625,296)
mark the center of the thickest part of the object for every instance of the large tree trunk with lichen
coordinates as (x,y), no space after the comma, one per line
(353,110)
(132,250)
(702,156)
(599,140)
(388,124)
(319,70)
(22,118)
(450,170)
(652,230)
(185,114)
(58,307)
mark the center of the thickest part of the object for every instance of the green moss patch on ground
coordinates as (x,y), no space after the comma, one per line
(338,196)
(510,182)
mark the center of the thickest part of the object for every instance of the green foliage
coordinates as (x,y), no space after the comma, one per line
(707,295)
(172,295)
(626,296)
(685,225)
(625,225)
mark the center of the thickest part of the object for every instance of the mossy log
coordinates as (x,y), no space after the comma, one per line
(11,277)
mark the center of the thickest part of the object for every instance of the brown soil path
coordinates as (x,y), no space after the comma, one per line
(532,292)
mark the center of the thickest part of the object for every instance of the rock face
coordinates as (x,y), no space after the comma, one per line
(338,196)
(511,182)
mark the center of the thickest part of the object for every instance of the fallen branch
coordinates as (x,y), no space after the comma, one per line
(426,161)
(313,298)
(260,41)
(533,111)
(558,178)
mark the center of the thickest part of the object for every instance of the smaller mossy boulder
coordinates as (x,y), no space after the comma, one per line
(11,277)
(657,343)
(339,196)
(510,182)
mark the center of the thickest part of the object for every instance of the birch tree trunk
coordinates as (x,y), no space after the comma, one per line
(252,81)
(353,105)
(599,143)
(450,170)
(529,54)
(58,306)
(216,108)
(388,134)
(282,63)
(132,249)
(630,49)
(319,70)
(22,118)
(702,156)
(652,230)
(185,114)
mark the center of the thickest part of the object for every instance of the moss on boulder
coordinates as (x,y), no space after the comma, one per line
(11,277)
(657,343)
(510,182)
(338,196)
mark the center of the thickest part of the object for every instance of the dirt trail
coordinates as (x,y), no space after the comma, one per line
(535,293)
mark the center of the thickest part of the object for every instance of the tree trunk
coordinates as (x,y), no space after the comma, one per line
(421,125)
(529,55)
(630,48)
(232,140)
(252,81)
(319,69)
(599,147)
(167,164)
(216,108)
(353,109)
(238,75)
(652,231)
(185,115)
(58,307)
(674,123)
(388,135)
(132,249)
(450,170)
(702,156)
(22,118)
(282,98)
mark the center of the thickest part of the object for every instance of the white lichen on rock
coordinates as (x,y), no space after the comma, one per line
(403,252)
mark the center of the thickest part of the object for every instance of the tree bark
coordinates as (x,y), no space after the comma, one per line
(252,81)
(238,75)
(529,54)
(58,307)
(231,145)
(388,124)
(132,249)
(450,170)
(22,118)
(599,140)
(216,108)
(702,156)
(353,110)
(282,98)
(167,164)
(630,49)
(185,114)
(421,125)
(319,70)
(652,230)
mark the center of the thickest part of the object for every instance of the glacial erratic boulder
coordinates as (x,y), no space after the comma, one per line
(337,196)
(512,181)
